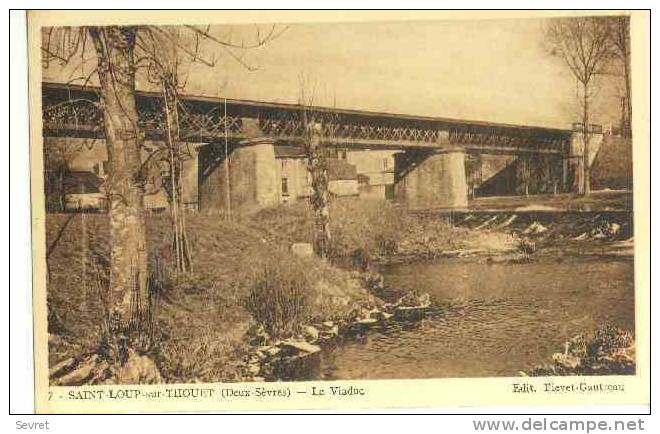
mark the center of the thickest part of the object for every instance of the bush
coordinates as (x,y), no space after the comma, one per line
(206,355)
(364,230)
(607,351)
(279,297)
(285,223)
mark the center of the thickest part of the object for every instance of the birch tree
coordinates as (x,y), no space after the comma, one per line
(620,43)
(583,46)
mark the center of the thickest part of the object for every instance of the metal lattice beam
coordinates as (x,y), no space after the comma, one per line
(78,112)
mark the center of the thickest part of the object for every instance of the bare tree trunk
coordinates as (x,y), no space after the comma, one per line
(180,247)
(585,139)
(626,70)
(621,40)
(128,295)
(61,194)
(320,196)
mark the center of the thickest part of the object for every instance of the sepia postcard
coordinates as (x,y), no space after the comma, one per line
(287,210)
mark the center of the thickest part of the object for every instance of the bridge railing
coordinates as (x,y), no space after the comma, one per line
(205,120)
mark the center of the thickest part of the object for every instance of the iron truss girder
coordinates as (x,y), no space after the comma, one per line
(206,122)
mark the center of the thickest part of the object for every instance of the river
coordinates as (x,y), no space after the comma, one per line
(492,319)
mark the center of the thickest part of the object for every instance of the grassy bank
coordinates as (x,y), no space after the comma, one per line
(202,318)
(365,231)
(247,283)
(244,277)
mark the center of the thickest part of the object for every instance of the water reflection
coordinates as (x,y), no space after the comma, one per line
(493,319)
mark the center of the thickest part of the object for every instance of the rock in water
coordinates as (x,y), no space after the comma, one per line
(311,333)
(413,299)
(300,346)
(566,360)
(386,316)
(367,322)
(334,331)
(410,313)
(424,300)
(614,228)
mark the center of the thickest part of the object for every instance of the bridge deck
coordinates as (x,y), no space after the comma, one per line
(73,111)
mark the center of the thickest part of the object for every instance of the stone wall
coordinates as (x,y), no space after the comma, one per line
(254,180)
(437,181)
(613,166)
(294,170)
(343,187)
(378,165)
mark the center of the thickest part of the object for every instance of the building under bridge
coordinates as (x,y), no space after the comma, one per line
(248,154)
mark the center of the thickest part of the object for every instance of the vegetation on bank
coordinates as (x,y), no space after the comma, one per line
(243,276)
(245,281)
(370,231)
(115,305)
(607,351)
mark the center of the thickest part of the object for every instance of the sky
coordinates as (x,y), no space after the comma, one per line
(488,70)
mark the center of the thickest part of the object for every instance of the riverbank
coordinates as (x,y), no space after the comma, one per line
(218,322)
(605,351)
(299,357)
(202,319)
(384,233)
(525,245)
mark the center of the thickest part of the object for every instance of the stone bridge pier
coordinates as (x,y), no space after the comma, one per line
(575,161)
(430,173)
(247,181)
(431,179)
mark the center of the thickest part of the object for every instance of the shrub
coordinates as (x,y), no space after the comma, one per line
(526,247)
(363,230)
(279,297)
(204,356)
(607,351)
(285,223)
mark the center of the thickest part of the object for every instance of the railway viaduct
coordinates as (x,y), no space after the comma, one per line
(430,169)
